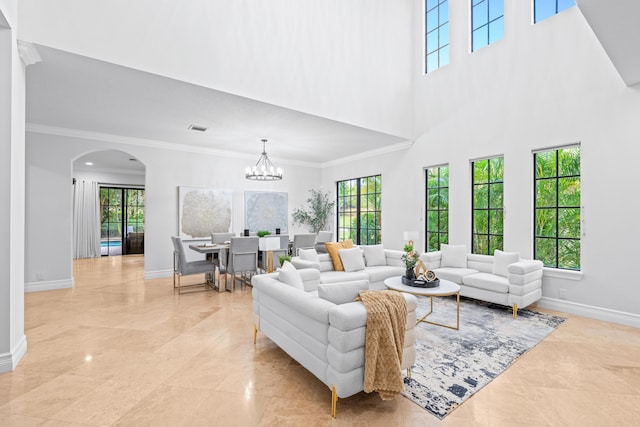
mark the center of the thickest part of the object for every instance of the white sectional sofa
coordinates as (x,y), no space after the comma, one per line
(503,278)
(377,264)
(325,337)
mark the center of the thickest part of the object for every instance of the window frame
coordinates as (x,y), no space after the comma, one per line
(557,207)
(473,18)
(489,235)
(355,232)
(556,8)
(437,31)
(441,232)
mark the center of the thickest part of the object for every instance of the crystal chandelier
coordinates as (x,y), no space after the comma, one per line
(264,169)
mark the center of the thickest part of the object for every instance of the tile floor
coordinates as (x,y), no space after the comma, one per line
(119,350)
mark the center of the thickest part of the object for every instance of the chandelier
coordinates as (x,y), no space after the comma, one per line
(264,169)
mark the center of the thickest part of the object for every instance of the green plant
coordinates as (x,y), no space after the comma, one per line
(318,212)
(283,258)
(263,233)
(410,257)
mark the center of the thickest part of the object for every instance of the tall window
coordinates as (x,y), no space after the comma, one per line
(546,8)
(359,210)
(487,22)
(437,34)
(437,228)
(557,207)
(122,220)
(487,206)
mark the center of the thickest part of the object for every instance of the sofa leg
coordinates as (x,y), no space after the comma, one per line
(255,333)
(515,311)
(334,401)
(409,373)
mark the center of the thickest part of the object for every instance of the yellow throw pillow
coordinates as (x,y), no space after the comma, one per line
(333,248)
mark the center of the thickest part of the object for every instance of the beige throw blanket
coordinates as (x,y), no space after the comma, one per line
(384,342)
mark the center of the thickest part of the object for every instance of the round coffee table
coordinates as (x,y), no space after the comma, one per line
(446,288)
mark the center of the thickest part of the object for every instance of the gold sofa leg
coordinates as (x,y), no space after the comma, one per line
(334,401)
(255,333)
(515,311)
(409,373)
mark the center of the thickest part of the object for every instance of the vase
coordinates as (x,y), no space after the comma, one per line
(410,274)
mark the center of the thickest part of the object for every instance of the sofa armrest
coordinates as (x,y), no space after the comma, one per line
(432,259)
(275,295)
(525,266)
(300,263)
(394,257)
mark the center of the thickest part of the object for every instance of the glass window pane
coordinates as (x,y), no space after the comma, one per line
(496,169)
(432,242)
(496,30)
(432,221)
(432,20)
(544,9)
(546,223)
(565,4)
(546,193)
(495,242)
(569,223)
(481,221)
(480,38)
(480,171)
(569,161)
(480,14)
(480,196)
(480,244)
(546,251)
(444,221)
(444,34)
(444,56)
(545,164)
(495,196)
(431,4)
(443,12)
(432,178)
(432,41)
(569,192)
(569,254)
(444,176)
(444,198)
(496,221)
(496,9)
(432,61)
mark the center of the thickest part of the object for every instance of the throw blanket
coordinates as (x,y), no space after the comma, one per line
(384,342)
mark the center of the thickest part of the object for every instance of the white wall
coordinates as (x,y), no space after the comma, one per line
(543,85)
(49,193)
(13,343)
(111,177)
(345,60)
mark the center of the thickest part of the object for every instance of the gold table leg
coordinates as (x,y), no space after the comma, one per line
(457,327)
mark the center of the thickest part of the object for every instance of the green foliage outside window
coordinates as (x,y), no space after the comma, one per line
(437,209)
(488,213)
(359,210)
(557,208)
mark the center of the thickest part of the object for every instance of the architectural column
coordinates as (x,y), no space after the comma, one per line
(13,343)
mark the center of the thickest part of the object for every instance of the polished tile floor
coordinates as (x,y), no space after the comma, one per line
(119,350)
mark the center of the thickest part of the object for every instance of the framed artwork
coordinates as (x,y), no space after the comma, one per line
(203,211)
(265,210)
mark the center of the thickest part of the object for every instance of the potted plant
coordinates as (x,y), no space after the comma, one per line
(283,258)
(263,233)
(410,259)
(318,212)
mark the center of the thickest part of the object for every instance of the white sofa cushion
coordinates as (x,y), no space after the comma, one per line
(487,281)
(453,274)
(374,255)
(501,261)
(342,292)
(351,259)
(290,276)
(342,276)
(308,255)
(453,256)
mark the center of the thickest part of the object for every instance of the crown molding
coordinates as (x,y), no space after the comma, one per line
(28,53)
(143,142)
(107,170)
(372,153)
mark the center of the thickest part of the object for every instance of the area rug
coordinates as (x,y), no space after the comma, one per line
(451,365)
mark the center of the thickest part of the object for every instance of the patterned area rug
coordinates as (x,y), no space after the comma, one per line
(452,365)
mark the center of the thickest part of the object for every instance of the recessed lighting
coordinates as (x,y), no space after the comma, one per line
(88,163)
(133,160)
(197,128)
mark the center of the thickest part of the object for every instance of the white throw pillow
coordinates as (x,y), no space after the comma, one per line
(308,255)
(352,259)
(453,256)
(342,293)
(290,276)
(502,260)
(374,255)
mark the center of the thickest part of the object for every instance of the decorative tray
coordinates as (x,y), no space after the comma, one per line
(418,283)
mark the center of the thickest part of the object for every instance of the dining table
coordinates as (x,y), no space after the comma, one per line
(210,249)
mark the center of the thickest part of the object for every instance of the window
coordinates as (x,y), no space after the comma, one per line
(487,22)
(557,207)
(122,212)
(546,8)
(437,207)
(359,210)
(487,187)
(437,34)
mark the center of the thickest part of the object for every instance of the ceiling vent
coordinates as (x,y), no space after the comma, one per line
(197,128)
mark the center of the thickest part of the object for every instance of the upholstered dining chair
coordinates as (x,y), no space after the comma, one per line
(222,255)
(323,236)
(182,267)
(303,241)
(243,258)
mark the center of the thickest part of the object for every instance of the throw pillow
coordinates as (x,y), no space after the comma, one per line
(352,259)
(333,248)
(290,276)
(308,255)
(342,293)
(501,261)
(453,256)
(374,255)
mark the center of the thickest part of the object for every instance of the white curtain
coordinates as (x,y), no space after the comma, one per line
(86,219)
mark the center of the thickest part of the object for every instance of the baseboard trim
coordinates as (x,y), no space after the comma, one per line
(50,285)
(158,274)
(9,361)
(614,316)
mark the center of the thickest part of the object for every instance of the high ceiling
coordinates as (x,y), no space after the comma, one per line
(71,92)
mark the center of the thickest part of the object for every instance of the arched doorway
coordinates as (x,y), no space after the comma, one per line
(119,179)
